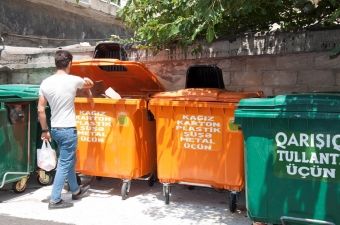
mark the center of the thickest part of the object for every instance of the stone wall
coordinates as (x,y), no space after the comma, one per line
(276,63)
(273,74)
(53,23)
(32,65)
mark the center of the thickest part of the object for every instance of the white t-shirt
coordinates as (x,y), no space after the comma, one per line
(60,91)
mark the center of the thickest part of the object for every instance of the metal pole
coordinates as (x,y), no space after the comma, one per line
(3,45)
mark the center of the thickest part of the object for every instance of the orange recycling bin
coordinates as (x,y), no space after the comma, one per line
(198,143)
(116,137)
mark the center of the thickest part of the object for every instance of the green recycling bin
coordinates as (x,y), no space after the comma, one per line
(292,158)
(20,133)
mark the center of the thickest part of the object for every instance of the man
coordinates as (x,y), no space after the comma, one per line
(59,90)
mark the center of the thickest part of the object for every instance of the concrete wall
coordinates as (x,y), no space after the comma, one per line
(31,65)
(276,63)
(104,6)
(50,22)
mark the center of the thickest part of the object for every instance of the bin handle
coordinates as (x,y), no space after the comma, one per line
(304,220)
(100,62)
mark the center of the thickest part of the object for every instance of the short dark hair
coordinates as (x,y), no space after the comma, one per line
(62,58)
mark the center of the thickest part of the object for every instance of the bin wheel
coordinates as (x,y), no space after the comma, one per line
(46,180)
(167,194)
(67,186)
(124,192)
(191,188)
(19,187)
(99,178)
(233,202)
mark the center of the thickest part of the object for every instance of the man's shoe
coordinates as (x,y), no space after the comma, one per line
(60,205)
(81,192)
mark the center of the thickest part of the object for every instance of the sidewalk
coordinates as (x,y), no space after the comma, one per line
(144,205)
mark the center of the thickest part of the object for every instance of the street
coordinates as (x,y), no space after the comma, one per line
(103,205)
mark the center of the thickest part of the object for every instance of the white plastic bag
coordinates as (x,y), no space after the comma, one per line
(46,157)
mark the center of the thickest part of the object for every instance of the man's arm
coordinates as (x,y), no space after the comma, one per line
(88,83)
(42,118)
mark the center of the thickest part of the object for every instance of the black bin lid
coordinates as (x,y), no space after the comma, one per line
(110,50)
(204,76)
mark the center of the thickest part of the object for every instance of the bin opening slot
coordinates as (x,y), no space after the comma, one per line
(113,68)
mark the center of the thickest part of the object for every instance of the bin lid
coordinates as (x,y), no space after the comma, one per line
(125,77)
(17,96)
(204,76)
(18,92)
(207,94)
(26,88)
(307,105)
(110,50)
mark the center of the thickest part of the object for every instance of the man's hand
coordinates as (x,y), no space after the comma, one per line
(45,136)
(88,83)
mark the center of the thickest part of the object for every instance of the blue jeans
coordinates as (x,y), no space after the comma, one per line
(67,141)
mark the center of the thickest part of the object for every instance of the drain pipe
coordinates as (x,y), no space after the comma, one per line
(3,45)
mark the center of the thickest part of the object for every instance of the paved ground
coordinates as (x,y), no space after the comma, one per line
(103,205)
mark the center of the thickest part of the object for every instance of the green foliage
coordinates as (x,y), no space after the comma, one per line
(172,21)
(198,22)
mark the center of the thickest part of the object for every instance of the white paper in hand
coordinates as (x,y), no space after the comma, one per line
(112,94)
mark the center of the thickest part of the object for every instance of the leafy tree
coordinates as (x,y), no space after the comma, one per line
(195,22)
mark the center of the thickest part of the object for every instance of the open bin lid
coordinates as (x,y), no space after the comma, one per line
(125,77)
(308,105)
(207,95)
(110,50)
(204,76)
